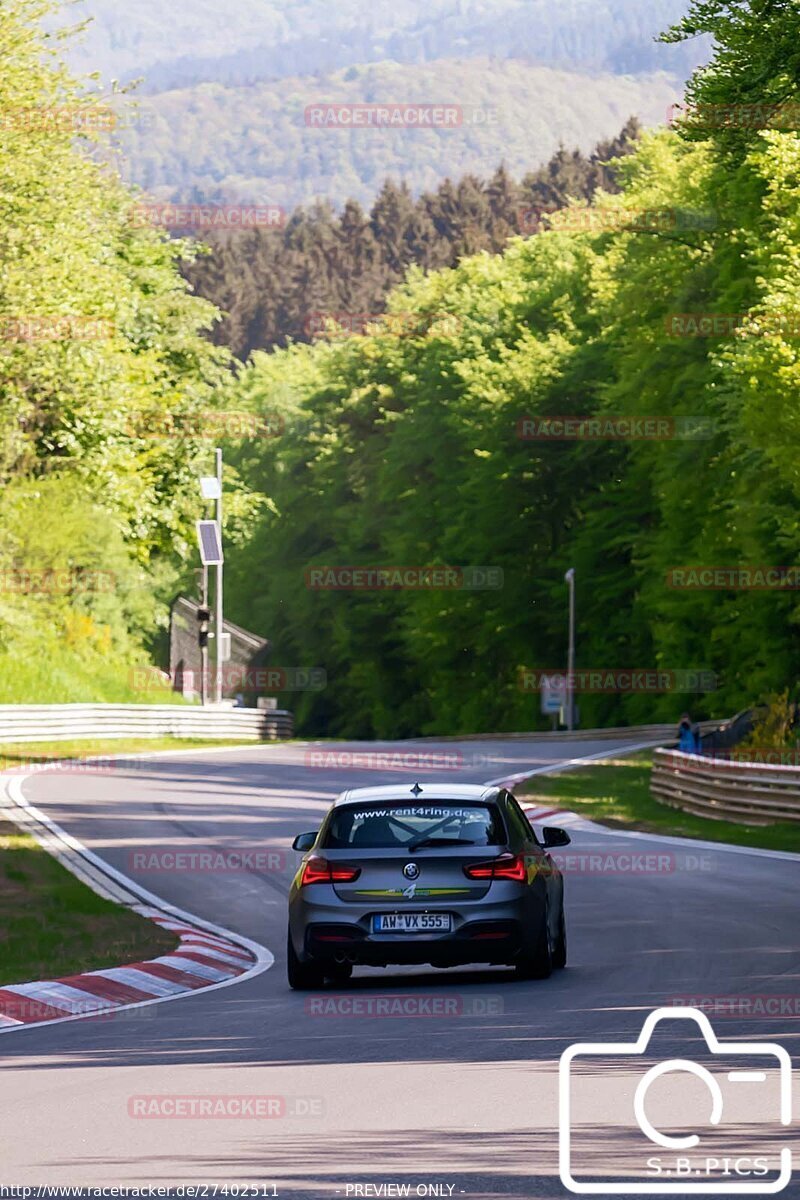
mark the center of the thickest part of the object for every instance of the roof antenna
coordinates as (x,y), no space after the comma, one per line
(415,791)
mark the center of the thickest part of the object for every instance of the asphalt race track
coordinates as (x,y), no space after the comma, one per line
(457,1090)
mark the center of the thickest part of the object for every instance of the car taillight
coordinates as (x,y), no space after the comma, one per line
(319,870)
(344,874)
(507,866)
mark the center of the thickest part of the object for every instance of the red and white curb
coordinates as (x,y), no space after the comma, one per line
(200,959)
(207,957)
(559,817)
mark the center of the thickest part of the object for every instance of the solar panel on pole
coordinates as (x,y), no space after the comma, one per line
(210,543)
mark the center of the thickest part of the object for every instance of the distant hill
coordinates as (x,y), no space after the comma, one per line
(224,87)
(194,41)
(252,143)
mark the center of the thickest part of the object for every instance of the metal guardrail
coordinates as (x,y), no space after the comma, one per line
(68,722)
(726,790)
(655,733)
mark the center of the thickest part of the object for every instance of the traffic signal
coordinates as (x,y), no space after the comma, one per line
(203,616)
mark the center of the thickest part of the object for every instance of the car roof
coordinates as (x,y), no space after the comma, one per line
(420,792)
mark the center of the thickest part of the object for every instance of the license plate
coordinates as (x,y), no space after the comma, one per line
(411,923)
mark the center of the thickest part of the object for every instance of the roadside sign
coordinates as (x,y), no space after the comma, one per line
(554,693)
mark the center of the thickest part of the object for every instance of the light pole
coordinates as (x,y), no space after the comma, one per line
(218,590)
(209,535)
(569,579)
(204,639)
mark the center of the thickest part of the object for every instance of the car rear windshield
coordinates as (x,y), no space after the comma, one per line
(400,824)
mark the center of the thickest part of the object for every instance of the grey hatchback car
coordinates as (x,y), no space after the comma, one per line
(439,874)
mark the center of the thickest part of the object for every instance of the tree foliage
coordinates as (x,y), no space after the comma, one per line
(410,454)
(99,337)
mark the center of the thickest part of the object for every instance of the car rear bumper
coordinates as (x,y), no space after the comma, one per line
(477,941)
(483,932)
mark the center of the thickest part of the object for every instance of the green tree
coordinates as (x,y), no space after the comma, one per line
(105,375)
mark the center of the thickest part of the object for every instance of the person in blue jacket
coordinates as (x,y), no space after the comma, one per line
(688,740)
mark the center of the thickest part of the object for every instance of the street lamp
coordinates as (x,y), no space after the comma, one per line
(210,541)
(569,579)
(218,589)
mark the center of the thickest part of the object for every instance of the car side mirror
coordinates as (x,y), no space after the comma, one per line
(304,841)
(554,837)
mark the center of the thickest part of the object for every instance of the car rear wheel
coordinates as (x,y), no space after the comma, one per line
(560,951)
(536,961)
(303,977)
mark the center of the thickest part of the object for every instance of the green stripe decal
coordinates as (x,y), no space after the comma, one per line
(418,892)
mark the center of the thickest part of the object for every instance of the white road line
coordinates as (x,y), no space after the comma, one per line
(570,764)
(780,855)
(159,988)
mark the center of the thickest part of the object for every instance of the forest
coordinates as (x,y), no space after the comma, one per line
(450,438)
(274,286)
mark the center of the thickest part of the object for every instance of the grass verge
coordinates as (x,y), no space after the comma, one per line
(59,674)
(51,924)
(25,754)
(616,793)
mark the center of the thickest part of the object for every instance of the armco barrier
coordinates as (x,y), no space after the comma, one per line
(654,733)
(747,793)
(68,722)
